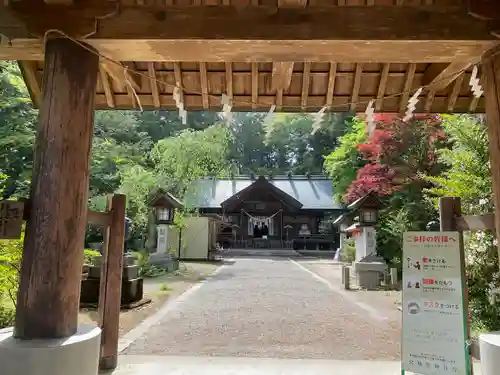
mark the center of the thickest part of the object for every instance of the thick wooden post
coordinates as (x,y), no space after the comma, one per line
(111,283)
(51,270)
(491,66)
(449,209)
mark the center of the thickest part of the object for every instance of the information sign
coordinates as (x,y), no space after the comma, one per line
(434,321)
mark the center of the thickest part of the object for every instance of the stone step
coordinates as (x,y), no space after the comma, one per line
(190,365)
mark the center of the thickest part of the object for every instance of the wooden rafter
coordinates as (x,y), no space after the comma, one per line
(306,77)
(452,100)
(154,84)
(108,92)
(331,84)
(382,86)
(229,80)
(410,74)
(356,86)
(255,85)
(29,72)
(204,85)
(438,76)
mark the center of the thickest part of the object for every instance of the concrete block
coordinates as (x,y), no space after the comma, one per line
(76,355)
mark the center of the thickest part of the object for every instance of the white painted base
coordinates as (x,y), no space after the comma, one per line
(489,349)
(75,355)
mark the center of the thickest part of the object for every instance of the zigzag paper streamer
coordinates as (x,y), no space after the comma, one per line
(412,105)
(370,120)
(318,118)
(477,89)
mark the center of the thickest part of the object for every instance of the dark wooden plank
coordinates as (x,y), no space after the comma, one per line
(109,304)
(53,244)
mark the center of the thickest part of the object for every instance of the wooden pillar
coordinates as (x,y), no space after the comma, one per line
(111,283)
(51,270)
(491,66)
(449,209)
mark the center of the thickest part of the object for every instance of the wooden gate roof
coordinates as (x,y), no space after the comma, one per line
(297,54)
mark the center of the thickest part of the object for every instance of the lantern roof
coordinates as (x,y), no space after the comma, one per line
(162,198)
(368,201)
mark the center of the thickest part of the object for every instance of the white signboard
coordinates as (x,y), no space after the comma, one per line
(434,325)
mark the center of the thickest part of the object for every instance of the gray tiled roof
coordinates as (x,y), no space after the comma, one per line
(313,192)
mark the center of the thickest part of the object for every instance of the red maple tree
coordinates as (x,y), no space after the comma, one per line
(399,153)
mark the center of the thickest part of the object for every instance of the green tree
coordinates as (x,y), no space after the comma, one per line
(469,178)
(17,131)
(343,163)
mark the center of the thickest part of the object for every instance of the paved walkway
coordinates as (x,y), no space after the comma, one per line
(269,308)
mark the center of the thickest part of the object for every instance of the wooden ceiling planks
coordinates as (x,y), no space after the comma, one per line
(313,84)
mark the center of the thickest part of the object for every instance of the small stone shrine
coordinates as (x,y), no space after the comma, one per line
(132,284)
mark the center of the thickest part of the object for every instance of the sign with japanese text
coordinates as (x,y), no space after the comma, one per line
(11,219)
(434,325)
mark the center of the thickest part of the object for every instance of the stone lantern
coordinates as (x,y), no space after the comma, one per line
(163,205)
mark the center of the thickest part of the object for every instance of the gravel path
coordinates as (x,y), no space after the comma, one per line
(269,308)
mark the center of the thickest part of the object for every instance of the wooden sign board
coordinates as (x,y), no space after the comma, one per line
(11,219)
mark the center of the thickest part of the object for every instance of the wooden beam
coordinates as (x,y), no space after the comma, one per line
(410,74)
(306,80)
(340,51)
(491,66)
(204,85)
(108,92)
(255,85)
(282,75)
(29,72)
(229,80)
(382,86)
(356,86)
(438,76)
(331,83)
(111,283)
(457,86)
(46,307)
(222,33)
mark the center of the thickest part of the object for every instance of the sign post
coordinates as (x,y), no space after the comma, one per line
(434,333)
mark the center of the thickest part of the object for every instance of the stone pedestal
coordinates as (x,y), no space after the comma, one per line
(165,261)
(368,271)
(489,349)
(77,354)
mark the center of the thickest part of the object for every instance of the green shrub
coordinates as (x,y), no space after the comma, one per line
(348,251)
(89,256)
(7,314)
(146,269)
(11,252)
